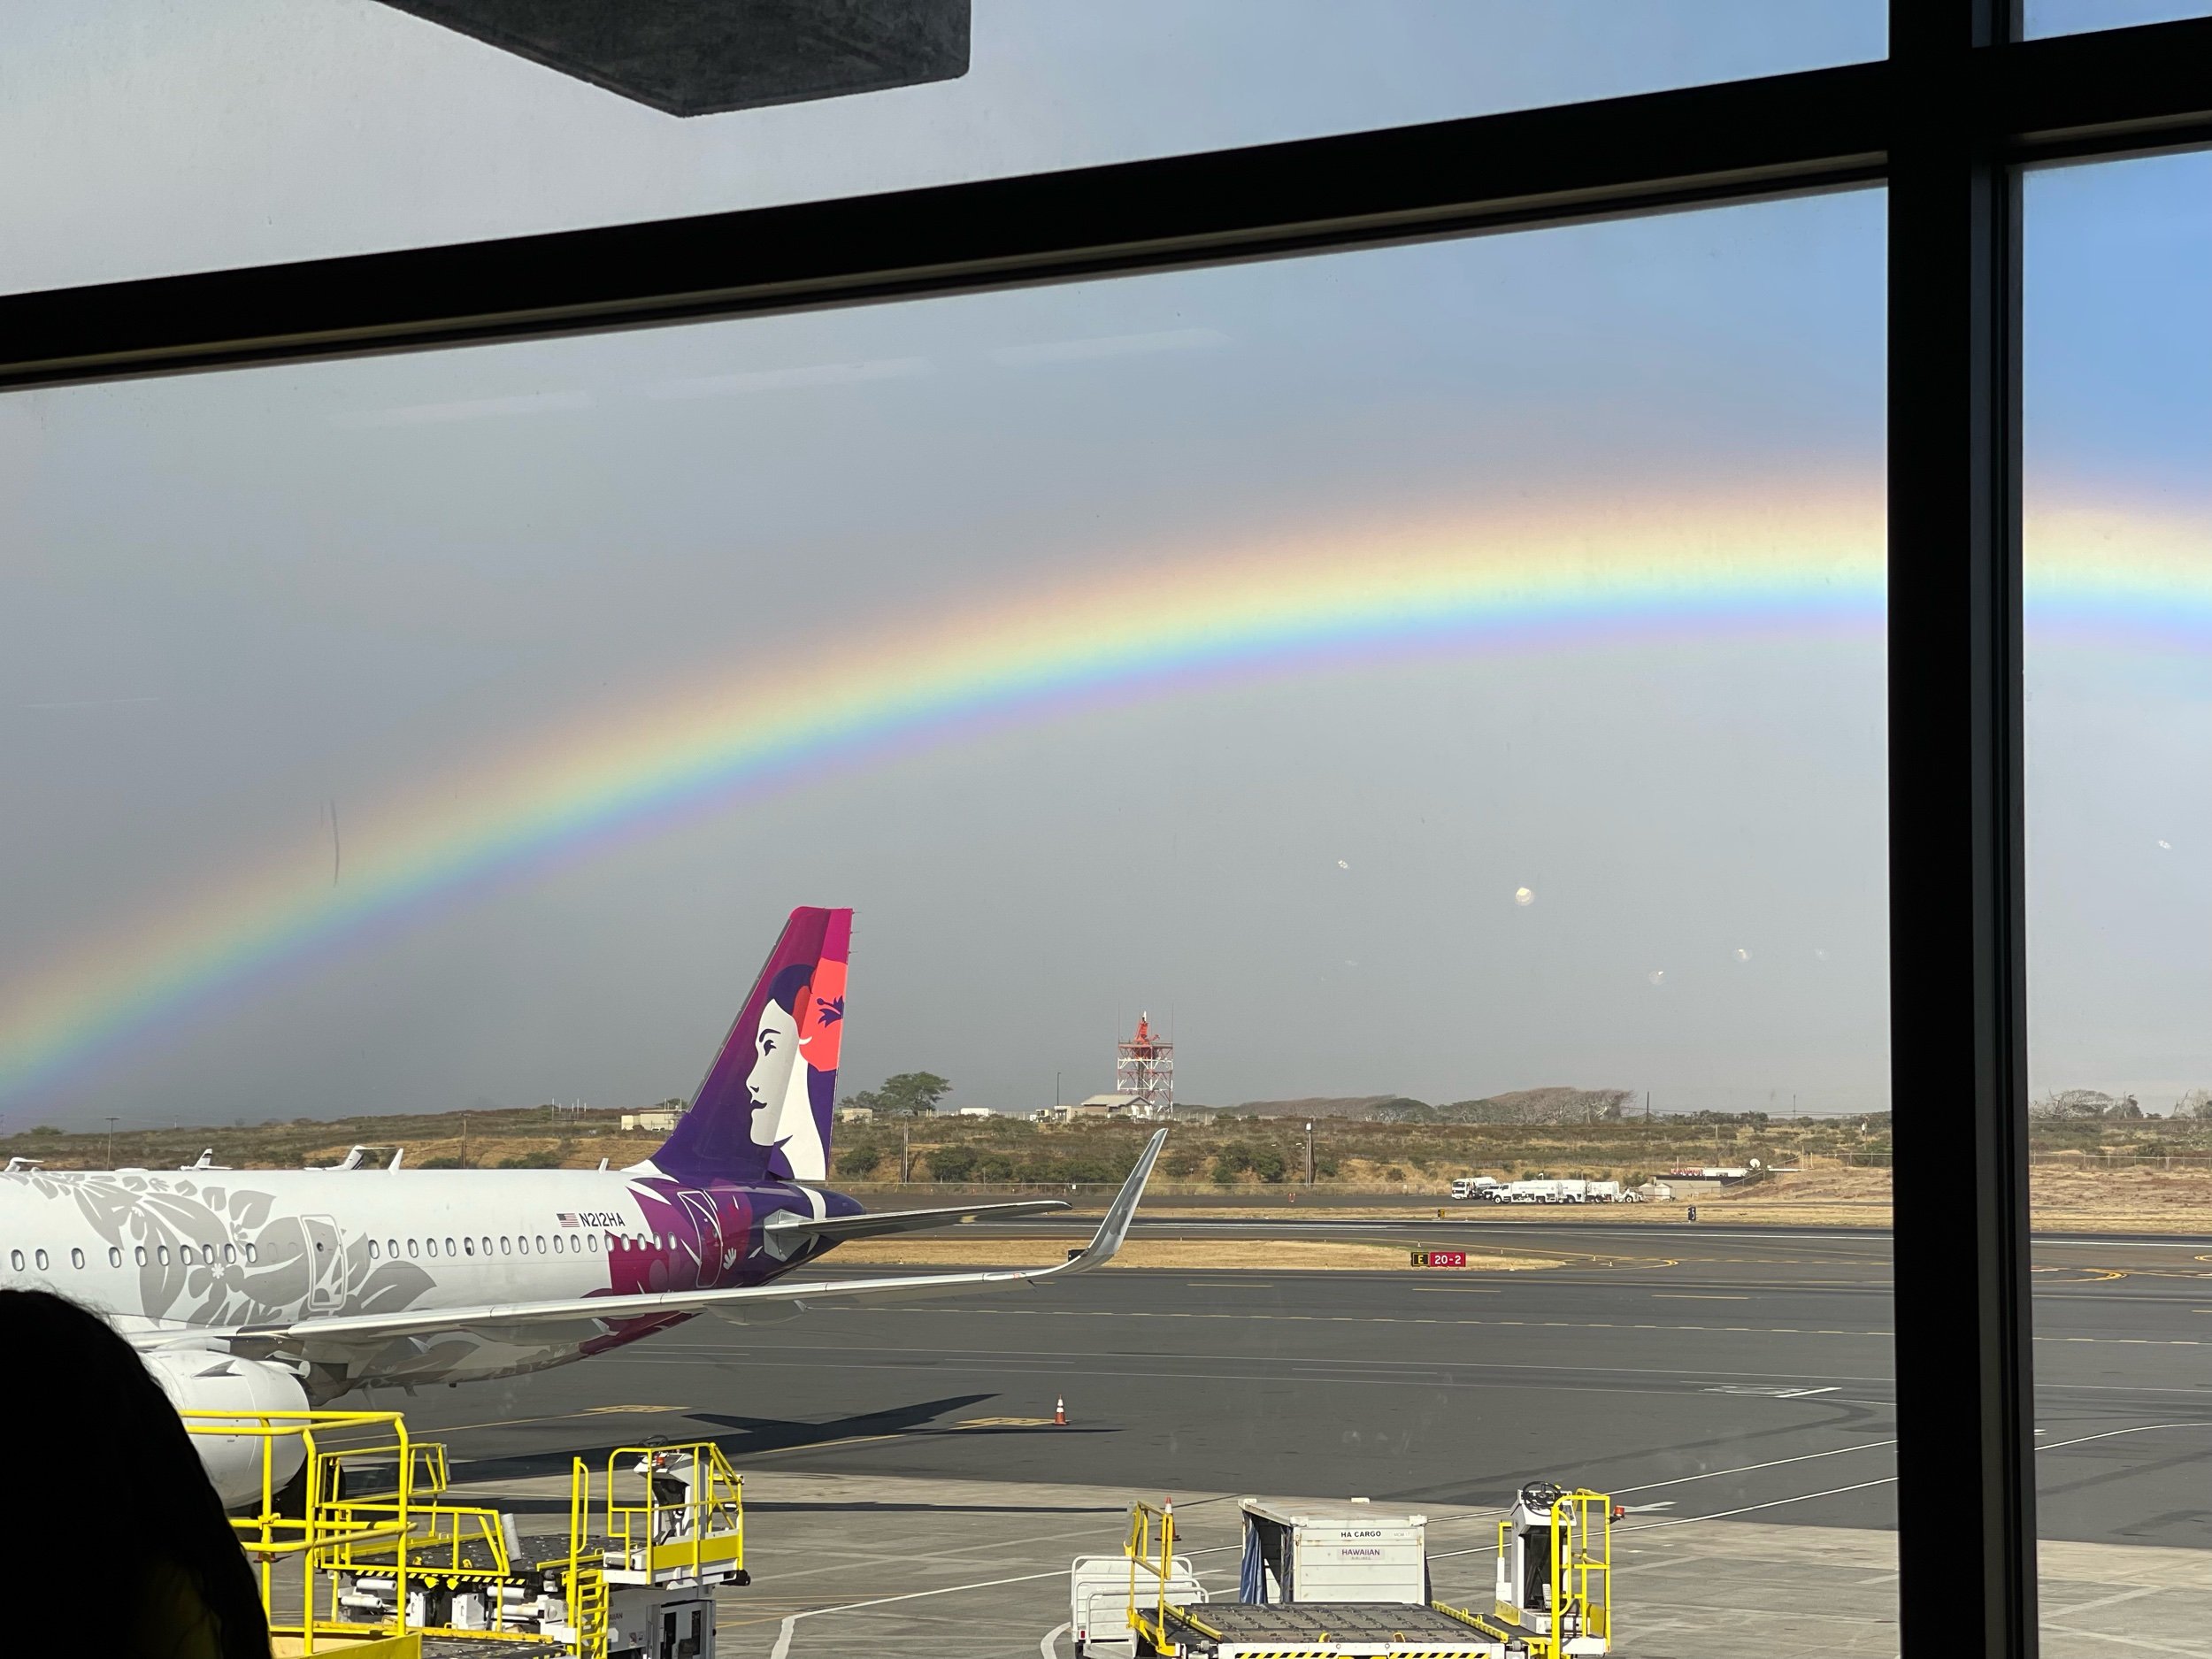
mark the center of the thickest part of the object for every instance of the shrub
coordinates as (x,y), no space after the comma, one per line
(952,1164)
(544,1159)
(855,1159)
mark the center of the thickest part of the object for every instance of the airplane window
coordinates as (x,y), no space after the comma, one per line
(593,1240)
(449,1247)
(40,1258)
(115,1256)
(372,1249)
(558,1246)
(487,1244)
(252,1255)
(540,1244)
(391,1248)
(230,1255)
(15,1260)
(469,1245)
(138,1255)
(207,1254)
(503,1250)
(76,1258)
(410,1246)
(430,1246)
(161,1254)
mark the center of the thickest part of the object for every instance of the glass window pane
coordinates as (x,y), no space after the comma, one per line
(248,131)
(1439,689)
(2119,540)
(2075,17)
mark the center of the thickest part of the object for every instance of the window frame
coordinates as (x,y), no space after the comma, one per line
(1946,122)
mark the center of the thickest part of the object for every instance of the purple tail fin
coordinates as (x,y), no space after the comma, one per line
(763,1111)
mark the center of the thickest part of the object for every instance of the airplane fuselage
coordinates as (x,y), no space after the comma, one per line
(222,1249)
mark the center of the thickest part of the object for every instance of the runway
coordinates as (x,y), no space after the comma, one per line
(909,1493)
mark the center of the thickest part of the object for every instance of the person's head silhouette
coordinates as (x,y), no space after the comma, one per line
(175,1584)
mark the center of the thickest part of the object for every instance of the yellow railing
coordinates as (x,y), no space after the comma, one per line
(671,1514)
(420,1544)
(1581,1577)
(272,1538)
(1146,1521)
(1582,1566)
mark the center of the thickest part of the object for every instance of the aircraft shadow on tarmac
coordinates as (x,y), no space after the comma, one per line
(744,1437)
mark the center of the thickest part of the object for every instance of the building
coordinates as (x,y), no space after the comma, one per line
(854,1114)
(1090,1110)
(659,1121)
(976,1111)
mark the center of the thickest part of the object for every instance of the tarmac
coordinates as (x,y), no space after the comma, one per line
(907,1492)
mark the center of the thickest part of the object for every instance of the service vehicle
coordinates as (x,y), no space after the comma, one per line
(1347,1579)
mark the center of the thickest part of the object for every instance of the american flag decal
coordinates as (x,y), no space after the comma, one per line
(566,1218)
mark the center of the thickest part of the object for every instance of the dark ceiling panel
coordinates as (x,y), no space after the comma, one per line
(702,57)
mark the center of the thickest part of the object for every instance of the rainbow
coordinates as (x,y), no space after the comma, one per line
(1171,624)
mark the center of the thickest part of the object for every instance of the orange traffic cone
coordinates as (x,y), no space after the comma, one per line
(1060,1412)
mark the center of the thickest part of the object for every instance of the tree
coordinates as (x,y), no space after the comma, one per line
(2081,1103)
(909,1094)
(2196,1103)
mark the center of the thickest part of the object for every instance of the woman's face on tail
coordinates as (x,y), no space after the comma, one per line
(776,1048)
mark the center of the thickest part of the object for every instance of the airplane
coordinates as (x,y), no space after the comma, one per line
(252,1291)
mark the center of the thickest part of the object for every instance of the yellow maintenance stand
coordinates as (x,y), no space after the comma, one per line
(361,1549)
(1554,1572)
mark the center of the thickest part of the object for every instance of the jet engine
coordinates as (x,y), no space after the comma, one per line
(207,1380)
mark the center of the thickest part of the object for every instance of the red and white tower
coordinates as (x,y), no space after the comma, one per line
(1144,1071)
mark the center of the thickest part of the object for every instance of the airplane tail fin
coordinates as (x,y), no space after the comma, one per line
(763,1111)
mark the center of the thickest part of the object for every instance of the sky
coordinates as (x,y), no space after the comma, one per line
(1437,670)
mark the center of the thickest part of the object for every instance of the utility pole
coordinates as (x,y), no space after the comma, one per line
(1309,1152)
(110,1143)
(906,1155)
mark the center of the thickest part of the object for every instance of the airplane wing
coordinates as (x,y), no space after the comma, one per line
(348,1330)
(786,1231)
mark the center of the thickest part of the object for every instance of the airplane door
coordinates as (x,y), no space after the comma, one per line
(325,1265)
(704,1223)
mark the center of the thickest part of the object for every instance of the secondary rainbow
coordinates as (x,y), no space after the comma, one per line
(1020,656)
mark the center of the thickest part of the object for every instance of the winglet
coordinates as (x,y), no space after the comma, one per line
(1115,1228)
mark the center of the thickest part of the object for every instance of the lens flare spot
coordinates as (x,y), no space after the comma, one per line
(1523,896)
(1743,956)
(1657,976)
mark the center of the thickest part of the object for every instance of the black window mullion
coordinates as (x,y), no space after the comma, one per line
(1966,1491)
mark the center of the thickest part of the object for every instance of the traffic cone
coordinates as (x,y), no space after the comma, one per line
(1060,1412)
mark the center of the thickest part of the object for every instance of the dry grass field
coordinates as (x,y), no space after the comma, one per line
(2145,1175)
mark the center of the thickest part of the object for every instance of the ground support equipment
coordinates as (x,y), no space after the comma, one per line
(358,1547)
